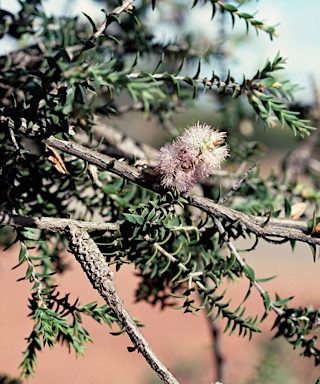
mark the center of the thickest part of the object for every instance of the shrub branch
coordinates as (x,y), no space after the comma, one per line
(101,277)
(262,226)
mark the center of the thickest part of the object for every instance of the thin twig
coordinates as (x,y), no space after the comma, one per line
(186,228)
(231,85)
(258,287)
(190,274)
(93,38)
(233,250)
(238,185)
(168,255)
(130,107)
(168,126)
(13,139)
(122,145)
(40,44)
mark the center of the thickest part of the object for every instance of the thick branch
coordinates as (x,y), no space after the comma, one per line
(102,278)
(103,161)
(53,224)
(97,270)
(262,226)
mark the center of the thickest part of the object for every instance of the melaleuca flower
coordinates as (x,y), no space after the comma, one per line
(195,154)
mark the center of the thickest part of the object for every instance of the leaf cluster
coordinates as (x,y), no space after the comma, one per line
(57,86)
(56,320)
(234,12)
(176,259)
(300,326)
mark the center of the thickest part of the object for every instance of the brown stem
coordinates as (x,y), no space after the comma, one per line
(118,144)
(53,224)
(102,278)
(261,226)
(216,344)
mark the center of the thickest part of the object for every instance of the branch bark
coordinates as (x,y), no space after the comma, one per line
(98,272)
(53,224)
(118,144)
(102,279)
(261,226)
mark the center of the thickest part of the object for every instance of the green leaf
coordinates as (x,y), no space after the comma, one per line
(248,292)
(177,296)
(214,10)
(245,15)
(118,333)
(267,301)
(280,303)
(193,83)
(91,22)
(232,260)
(196,76)
(165,267)
(227,326)
(230,8)
(177,73)
(133,218)
(23,253)
(249,272)
(312,223)
(264,280)
(293,244)
(313,248)
(287,207)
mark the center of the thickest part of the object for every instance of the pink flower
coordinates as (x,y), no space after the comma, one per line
(194,154)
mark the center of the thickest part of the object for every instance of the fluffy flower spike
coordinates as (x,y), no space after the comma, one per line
(195,154)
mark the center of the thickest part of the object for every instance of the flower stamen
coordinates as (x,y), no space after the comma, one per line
(194,154)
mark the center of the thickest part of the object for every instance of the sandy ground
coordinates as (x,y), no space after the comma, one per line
(182,341)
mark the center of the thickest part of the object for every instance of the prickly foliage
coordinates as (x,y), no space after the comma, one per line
(62,81)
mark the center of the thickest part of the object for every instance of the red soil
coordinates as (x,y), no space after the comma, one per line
(182,341)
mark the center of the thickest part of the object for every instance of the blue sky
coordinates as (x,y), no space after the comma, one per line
(298,41)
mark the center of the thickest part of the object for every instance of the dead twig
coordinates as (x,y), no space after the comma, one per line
(238,185)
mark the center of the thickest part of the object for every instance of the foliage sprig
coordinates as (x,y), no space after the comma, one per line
(58,177)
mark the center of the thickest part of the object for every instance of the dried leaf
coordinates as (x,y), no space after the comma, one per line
(316,230)
(297,210)
(93,172)
(71,130)
(54,157)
